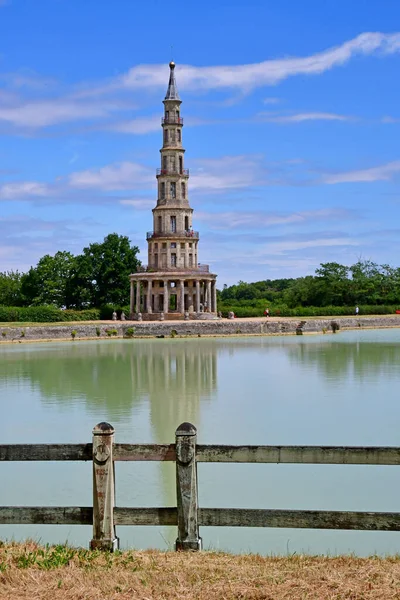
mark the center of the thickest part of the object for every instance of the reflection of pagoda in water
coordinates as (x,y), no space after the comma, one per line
(112,377)
(176,381)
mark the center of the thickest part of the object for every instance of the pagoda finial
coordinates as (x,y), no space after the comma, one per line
(172,91)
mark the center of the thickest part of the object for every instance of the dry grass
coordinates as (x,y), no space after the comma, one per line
(28,571)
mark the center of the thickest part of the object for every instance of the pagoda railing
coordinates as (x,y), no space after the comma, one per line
(184,172)
(192,269)
(175,234)
(172,120)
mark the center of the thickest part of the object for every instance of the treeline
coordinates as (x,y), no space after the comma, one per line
(335,289)
(97,277)
(97,280)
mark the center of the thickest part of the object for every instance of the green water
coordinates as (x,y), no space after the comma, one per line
(334,390)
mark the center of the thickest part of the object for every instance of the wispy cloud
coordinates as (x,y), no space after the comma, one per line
(390,120)
(228,172)
(271,100)
(269,72)
(25,189)
(25,239)
(136,126)
(139,203)
(51,112)
(380,173)
(301,117)
(253,220)
(119,176)
(102,101)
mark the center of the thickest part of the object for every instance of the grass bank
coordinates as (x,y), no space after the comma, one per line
(58,572)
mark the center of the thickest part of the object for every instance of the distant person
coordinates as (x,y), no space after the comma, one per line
(357,310)
(266,312)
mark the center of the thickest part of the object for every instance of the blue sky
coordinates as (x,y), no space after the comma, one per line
(292,125)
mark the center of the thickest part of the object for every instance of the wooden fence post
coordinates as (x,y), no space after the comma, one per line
(186,488)
(104,537)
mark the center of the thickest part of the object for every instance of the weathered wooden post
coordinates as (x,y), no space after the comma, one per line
(186,488)
(104,537)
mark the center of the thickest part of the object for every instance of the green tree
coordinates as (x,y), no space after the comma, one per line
(304,291)
(367,282)
(334,284)
(11,288)
(101,273)
(47,282)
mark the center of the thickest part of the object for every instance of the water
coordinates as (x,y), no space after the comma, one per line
(327,389)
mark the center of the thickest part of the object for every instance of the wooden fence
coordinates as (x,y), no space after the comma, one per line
(187,516)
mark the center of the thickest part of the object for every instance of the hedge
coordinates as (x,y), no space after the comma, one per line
(242,311)
(45,314)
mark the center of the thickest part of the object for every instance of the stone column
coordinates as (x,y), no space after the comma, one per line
(168,255)
(181,296)
(197,295)
(131,301)
(138,296)
(149,291)
(166,296)
(156,300)
(214,294)
(208,297)
(190,296)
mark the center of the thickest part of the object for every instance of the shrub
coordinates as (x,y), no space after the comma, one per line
(4,333)
(98,331)
(45,314)
(73,334)
(174,333)
(22,333)
(335,326)
(129,332)
(111,332)
(90,314)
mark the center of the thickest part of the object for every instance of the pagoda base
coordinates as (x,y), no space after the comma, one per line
(174,316)
(171,295)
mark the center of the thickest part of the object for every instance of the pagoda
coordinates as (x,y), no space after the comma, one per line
(174,284)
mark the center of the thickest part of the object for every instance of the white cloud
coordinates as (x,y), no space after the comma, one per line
(259,219)
(119,176)
(390,120)
(301,117)
(269,72)
(137,126)
(88,101)
(271,100)
(381,173)
(314,242)
(51,112)
(139,203)
(17,190)
(227,172)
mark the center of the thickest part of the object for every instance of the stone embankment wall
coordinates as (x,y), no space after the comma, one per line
(192,328)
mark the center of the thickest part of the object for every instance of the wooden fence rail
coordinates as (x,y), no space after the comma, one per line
(104,516)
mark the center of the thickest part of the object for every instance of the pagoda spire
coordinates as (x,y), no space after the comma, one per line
(172,91)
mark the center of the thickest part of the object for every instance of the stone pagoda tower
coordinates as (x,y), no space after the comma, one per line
(173,285)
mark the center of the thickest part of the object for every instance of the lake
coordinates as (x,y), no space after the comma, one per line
(338,389)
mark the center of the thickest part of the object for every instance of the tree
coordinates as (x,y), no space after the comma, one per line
(11,289)
(47,282)
(101,273)
(334,284)
(367,282)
